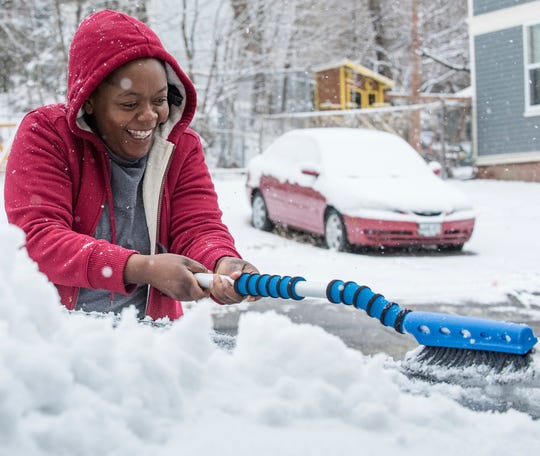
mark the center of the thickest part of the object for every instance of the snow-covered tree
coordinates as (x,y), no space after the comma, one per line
(443,43)
(34,44)
(32,52)
(247,58)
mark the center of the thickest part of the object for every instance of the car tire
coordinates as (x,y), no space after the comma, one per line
(450,247)
(259,213)
(335,234)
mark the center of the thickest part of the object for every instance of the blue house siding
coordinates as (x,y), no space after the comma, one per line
(500,95)
(487,6)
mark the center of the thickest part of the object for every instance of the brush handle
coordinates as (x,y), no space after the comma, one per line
(297,288)
(267,285)
(428,328)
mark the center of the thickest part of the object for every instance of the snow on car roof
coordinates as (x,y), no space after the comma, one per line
(362,152)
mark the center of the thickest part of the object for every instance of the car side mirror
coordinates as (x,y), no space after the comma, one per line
(435,167)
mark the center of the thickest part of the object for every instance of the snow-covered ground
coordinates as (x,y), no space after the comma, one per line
(70,384)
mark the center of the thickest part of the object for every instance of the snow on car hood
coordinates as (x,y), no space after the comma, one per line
(395,194)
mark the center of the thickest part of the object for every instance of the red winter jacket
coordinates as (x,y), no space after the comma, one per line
(57,177)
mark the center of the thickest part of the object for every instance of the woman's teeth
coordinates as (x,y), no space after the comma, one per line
(140,134)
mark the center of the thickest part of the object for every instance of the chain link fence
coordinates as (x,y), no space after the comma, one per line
(445,128)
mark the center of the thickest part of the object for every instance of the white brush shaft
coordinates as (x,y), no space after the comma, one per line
(205,279)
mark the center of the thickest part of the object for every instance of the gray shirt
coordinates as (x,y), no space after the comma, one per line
(131,232)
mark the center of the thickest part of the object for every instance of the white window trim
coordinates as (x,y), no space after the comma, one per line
(508,158)
(530,110)
(502,18)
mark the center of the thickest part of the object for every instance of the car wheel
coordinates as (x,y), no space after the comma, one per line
(259,213)
(335,234)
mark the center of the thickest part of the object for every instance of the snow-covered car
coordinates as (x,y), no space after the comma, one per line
(356,187)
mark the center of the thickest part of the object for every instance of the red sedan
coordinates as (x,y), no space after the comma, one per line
(356,187)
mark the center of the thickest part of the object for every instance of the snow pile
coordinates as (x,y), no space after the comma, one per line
(72,384)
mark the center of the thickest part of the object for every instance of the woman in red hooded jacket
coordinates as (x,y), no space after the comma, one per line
(111,187)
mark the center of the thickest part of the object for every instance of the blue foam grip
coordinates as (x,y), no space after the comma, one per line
(443,330)
(273,286)
(375,305)
(240,285)
(291,289)
(252,285)
(283,285)
(347,292)
(262,285)
(333,291)
(266,285)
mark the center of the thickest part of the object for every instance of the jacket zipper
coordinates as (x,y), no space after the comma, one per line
(158,218)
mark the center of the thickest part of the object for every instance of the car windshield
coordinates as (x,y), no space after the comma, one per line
(371,155)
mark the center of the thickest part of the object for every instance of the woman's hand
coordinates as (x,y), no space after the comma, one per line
(169,273)
(222,289)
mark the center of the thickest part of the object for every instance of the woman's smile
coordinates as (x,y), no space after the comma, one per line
(141,135)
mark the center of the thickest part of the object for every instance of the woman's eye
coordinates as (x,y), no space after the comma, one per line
(160,101)
(129,105)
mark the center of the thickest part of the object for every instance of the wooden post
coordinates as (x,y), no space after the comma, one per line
(442,134)
(415,127)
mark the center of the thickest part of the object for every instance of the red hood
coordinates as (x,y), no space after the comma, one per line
(105,41)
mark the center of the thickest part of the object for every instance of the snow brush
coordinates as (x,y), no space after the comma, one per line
(447,340)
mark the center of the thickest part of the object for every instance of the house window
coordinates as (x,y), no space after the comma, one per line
(532,67)
(357,99)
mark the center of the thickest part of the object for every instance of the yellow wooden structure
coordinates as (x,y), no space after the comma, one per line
(347,85)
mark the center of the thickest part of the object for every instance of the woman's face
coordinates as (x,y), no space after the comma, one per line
(128,107)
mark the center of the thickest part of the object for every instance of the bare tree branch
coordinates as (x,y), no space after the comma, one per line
(448,65)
